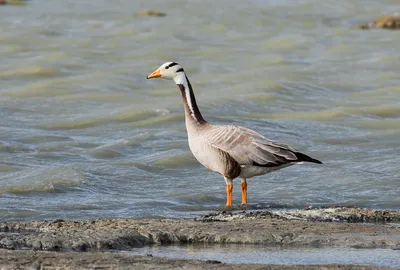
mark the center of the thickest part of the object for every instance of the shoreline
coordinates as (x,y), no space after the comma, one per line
(82,243)
(27,259)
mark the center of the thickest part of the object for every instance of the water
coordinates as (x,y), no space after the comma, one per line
(83,134)
(253,254)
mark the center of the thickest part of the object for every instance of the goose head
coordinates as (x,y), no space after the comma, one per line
(168,70)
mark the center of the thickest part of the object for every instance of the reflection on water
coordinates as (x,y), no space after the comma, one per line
(258,254)
(83,134)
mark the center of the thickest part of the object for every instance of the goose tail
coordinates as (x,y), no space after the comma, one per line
(304,158)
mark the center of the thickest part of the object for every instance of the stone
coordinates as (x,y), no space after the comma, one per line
(384,21)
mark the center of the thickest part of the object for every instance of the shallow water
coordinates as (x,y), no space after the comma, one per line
(83,134)
(255,254)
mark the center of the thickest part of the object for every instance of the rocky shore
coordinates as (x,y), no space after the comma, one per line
(85,244)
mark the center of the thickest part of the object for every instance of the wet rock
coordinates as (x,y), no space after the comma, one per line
(79,246)
(11,241)
(225,217)
(323,214)
(342,214)
(36,245)
(6,242)
(384,21)
(213,262)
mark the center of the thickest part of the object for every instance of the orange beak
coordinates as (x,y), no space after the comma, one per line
(155,74)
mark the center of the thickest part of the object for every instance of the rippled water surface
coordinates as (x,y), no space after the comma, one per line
(83,134)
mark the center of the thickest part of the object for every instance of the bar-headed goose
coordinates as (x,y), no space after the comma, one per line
(232,151)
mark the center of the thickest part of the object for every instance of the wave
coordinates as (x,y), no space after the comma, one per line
(48,180)
(128,116)
(14,148)
(31,71)
(184,160)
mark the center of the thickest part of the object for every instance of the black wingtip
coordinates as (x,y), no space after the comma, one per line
(304,157)
(317,161)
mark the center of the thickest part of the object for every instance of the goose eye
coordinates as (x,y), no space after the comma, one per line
(167,67)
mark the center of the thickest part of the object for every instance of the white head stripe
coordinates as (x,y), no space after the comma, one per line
(180,78)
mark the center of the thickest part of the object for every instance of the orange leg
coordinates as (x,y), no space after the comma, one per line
(229,188)
(243,186)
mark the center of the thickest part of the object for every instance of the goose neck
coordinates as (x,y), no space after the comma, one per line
(192,111)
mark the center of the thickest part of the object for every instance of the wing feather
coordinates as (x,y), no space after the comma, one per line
(248,147)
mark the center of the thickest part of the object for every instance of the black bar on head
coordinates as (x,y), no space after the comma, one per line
(172,64)
(180,70)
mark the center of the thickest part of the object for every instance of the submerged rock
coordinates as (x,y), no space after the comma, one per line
(13,2)
(152,13)
(384,21)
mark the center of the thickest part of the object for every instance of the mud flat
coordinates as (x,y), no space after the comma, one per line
(87,243)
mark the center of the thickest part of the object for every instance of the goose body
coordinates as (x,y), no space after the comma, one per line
(231,151)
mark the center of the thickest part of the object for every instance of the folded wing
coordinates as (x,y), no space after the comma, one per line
(248,147)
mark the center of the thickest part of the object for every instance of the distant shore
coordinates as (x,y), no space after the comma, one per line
(85,244)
